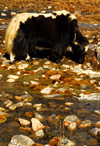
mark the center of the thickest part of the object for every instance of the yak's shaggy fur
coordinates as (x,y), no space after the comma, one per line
(57,30)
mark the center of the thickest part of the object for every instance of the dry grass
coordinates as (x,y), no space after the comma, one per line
(90,6)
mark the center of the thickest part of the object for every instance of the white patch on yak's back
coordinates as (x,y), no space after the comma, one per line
(64,12)
(72,16)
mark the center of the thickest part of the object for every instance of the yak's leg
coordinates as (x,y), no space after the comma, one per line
(12,58)
(57,52)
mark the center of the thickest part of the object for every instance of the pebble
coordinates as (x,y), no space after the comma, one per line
(23,66)
(52,96)
(71,119)
(85,124)
(94,131)
(21,140)
(3,14)
(92,96)
(72,126)
(13,77)
(46,90)
(97,112)
(61,90)
(24,122)
(66,142)
(39,133)
(55,77)
(97,124)
(68,103)
(34,83)
(10,80)
(36,124)
(14,106)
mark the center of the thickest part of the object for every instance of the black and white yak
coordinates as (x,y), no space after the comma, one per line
(58,29)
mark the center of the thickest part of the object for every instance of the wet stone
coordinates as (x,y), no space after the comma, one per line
(85,124)
(20,140)
(66,142)
(39,133)
(71,119)
(52,96)
(36,124)
(24,122)
(94,131)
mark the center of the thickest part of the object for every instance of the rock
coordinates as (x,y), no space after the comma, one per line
(55,77)
(85,124)
(24,122)
(13,13)
(34,83)
(38,116)
(94,131)
(72,126)
(66,142)
(8,103)
(97,124)
(71,119)
(1,76)
(39,133)
(36,124)
(61,90)
(2,109)
(52,96)
(13,77)
(10,80)
(83,86)
(21,140)
(23,66)
(68,104)
(3,14)
(14,106)
(46,66)
(26,83)
(46,90)
(97,112)
(37,105)
(92,96)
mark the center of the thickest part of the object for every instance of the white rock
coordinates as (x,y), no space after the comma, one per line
(21,140)
(71,119)
(39,133)
(23,66)
(92,96)
(46,66)
(61,89)
(72,126)
(97,112)
(94,131)
(1,76)
(14,106)
(55,77)
(26,83)
(36,124)
(24,122)
(34,83)
(66,66)
(3,14)
(13,77)
(11,67)
(13,13)
(10,80)
(52,96)
(66,142)
(46,90)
